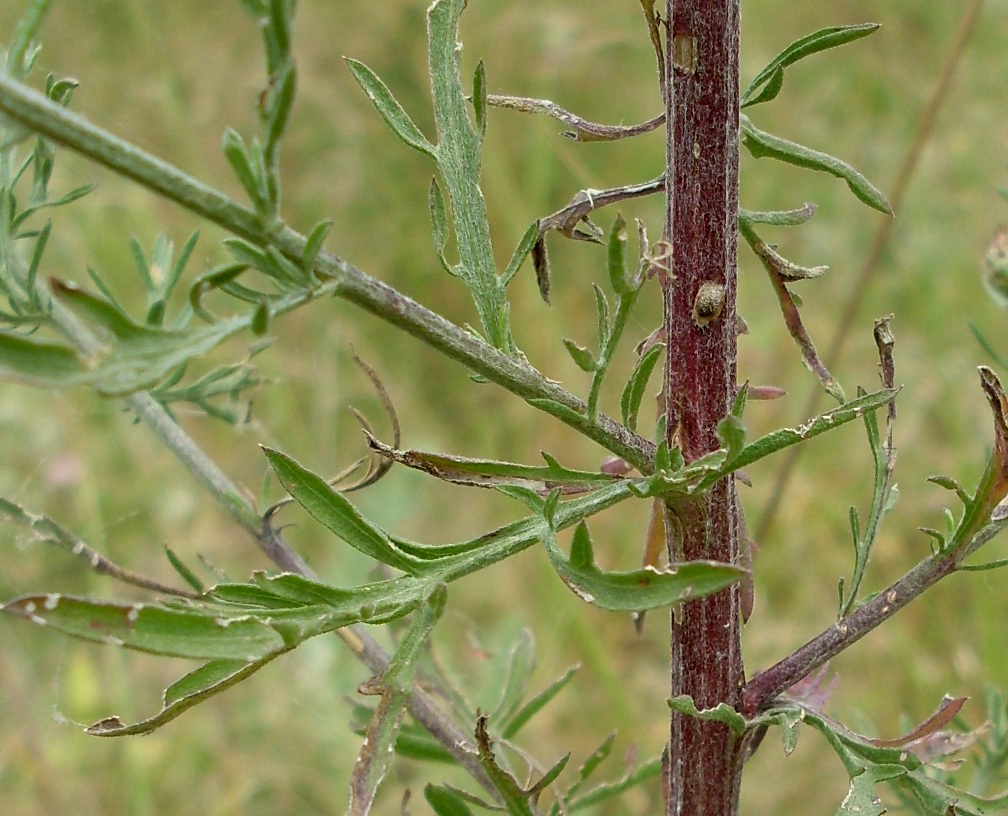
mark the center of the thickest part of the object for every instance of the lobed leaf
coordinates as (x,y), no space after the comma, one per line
(638,590)
(177,632)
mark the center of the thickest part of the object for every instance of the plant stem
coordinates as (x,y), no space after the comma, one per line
(33,110)
(705,759)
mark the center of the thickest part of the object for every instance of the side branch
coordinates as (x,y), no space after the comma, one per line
(31,109)
(766,685)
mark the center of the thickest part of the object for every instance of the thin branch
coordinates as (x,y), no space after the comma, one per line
(584,130)
(767,684)
(31,109)
(53,532)
(567,219)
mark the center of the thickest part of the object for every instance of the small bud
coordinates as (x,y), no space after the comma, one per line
(708,303)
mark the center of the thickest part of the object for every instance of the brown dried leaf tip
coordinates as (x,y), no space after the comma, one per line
(999,408)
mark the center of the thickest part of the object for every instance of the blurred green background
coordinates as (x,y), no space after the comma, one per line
(172,76)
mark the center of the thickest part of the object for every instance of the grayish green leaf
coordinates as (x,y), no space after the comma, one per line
(633,393)
(638,590)
(581,356)
(208,680)
(459,159)
(395,685)
(767,83)
(762,144)
(389,109)
(334,511)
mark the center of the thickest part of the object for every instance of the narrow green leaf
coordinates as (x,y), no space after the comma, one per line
(519,671)
(951,484)
(38,362)
(732,434)
(395,685)
(282,100)
(102,314)
(722,713)
(279,23)
(179,566)
(581,356)
(511,726)
(176,632)
(479,98)
(645,772)
(521,252)
(208,680)
(778,218)
(638,590)
(616,258)
(515,799)
(334,511)
(261,319)
(540,261)
(389,109)
(241,161)
(549,777)
(785,437)
(314,243)
(633,393)
(446,802)
(767,83)
(762,144)
(493,473)
(439,223)
(598,756)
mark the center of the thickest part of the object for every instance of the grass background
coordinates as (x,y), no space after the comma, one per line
(172,76)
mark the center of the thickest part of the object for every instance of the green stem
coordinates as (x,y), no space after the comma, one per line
(33,110)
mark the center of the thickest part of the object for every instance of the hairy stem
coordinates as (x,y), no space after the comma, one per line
(705,758)
(33,110)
